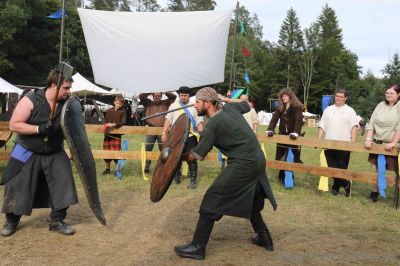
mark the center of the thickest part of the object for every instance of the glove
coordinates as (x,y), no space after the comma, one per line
(46,128)
(269,133)
(293,136)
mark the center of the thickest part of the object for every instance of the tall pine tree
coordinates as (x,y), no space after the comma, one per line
(289,47)
(392,71)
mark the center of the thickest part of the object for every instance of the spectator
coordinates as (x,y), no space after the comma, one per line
(151,107)
(196,125)
(289,113)
(251,116)
(384,128)
(115,118)
(339,122)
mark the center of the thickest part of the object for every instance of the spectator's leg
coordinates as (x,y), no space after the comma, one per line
(150,139)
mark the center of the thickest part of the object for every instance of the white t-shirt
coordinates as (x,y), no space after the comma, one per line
(173,116)
(337,122)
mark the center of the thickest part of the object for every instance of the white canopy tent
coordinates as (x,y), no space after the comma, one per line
(156,51)
(6,87)
(81,86)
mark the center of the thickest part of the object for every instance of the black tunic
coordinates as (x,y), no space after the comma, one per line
(45,179)
(232,192)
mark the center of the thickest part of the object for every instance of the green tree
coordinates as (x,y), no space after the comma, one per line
(335,66)
(190,5)
(34,49)
(13,17)
(145,5)
(289,47)
(307,59)
(392,71)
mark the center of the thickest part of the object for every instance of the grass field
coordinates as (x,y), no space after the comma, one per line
(310,227)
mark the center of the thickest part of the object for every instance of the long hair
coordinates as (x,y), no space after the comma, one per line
(294,101)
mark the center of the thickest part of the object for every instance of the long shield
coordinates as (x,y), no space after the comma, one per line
(169,158)
(74,132)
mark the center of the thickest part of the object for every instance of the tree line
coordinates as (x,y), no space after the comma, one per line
(312,61)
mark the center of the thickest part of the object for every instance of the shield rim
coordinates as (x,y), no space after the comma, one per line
(159,161)
(96,208)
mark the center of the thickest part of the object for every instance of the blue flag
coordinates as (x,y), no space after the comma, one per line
(326,101)
(121,163)
(382,175)
(289,183)
(246,77)
(58,14)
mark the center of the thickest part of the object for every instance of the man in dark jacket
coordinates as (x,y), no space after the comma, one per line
(39,174)
(241,187)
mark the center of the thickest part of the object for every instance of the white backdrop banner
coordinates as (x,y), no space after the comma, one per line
(156,51)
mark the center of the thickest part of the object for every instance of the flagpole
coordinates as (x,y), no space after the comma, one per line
(234,44)
(62,31)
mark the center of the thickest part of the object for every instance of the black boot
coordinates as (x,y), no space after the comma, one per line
(9,229)
(61,227)
(178,176)
(263,239)
(147,167)
(193,175)
(191,250)
(373,196)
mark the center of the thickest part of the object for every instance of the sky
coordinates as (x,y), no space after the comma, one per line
(370,28)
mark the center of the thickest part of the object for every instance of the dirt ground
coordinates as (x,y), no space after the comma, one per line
(143,233)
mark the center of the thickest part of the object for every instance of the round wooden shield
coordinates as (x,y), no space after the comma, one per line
(167,165)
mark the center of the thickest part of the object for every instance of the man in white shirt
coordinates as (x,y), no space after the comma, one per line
(251,116)
(196,126)
(339,122)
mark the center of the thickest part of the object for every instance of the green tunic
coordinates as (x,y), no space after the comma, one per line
(232,192)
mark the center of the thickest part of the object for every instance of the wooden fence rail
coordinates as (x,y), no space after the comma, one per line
(365,177)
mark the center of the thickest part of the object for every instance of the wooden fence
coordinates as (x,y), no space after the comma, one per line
(366,177)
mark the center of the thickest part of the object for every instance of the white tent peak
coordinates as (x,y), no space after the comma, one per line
(6,87)
(82,86)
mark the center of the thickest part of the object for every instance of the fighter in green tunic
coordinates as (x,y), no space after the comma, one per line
(240,189)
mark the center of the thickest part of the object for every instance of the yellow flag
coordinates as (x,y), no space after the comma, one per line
(185,169)
(263,149)
(143,155)
(323,181)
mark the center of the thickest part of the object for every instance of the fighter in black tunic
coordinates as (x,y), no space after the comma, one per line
(39,174)
(240,189)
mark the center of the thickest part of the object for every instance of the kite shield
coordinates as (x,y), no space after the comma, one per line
(169,158)
(75,134)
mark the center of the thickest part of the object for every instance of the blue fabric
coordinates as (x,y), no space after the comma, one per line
(190,116)
(236,93)
(58,14)
(20,153)
(220,156)
(289,174)
(382,175)
(121,163)
(246,77)
(326,101)
(275,103)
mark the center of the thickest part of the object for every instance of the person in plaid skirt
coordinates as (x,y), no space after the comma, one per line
(115,118)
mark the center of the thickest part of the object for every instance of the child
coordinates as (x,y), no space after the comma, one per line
(115,117)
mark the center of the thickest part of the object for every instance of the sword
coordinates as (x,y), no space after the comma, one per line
(166,112)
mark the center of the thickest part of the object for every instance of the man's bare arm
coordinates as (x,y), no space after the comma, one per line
(18,122)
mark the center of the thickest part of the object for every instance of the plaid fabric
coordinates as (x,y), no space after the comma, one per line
(112,142)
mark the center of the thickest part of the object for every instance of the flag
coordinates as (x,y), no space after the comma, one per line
(236,93)
(58,14)
(242,30)
(246,77)
(246,52)
(326,101)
